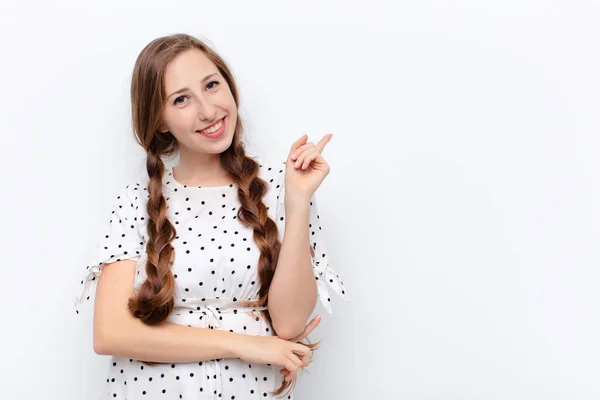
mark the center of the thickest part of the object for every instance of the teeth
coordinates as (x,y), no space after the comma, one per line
(213,129)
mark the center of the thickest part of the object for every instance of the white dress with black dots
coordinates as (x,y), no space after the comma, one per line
(215,266)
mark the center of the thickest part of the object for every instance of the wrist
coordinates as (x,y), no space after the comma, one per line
(296,202)
(239,344)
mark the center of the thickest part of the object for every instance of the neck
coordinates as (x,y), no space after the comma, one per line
(200,170)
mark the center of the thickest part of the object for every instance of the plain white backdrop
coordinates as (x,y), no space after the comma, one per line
(462,209)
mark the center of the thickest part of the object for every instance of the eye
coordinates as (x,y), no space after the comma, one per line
(217,82)
(180,97)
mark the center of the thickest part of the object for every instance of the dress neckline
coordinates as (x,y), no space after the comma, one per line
(171,183)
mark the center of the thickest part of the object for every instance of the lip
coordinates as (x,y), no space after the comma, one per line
(210,126)
(214,136)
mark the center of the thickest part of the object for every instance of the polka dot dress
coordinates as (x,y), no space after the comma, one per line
(216,266)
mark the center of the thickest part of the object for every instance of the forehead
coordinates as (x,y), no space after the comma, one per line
(187,68)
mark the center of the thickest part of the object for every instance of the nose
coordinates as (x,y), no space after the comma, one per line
(205,109)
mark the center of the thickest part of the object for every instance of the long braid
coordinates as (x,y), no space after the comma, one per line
(254,214)
(155,299)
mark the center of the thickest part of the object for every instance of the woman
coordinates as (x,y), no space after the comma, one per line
(198,292)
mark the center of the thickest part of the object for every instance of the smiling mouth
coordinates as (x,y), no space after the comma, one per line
(215,131)
(213,128)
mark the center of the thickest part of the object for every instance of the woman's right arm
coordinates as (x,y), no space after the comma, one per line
(117,332)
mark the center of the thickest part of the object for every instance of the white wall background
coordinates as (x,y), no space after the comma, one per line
(462,208)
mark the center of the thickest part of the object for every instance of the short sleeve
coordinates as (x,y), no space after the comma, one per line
(122,239)
(327,278)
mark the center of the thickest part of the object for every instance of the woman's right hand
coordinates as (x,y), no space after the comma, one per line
(277,351)
(288,354)
(290,375)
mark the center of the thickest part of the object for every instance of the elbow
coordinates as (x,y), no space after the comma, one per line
(290,323)
(286,327)
(288,331)
(100,350)
(101,343)
(100,347)
(105,339)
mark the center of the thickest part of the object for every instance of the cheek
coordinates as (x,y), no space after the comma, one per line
(183,119)
(227,100)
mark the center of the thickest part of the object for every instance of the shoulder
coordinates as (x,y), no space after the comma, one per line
(271,170)
(130,200)
(134,192)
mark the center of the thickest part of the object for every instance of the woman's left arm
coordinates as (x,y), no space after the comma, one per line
(293,290)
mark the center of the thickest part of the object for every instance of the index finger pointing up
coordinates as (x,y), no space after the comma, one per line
(321,145)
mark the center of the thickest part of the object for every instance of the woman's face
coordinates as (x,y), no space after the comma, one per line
(198,97)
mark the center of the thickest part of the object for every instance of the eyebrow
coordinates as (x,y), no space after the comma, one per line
(185,88)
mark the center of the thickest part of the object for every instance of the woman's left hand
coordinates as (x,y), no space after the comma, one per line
(305,168)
